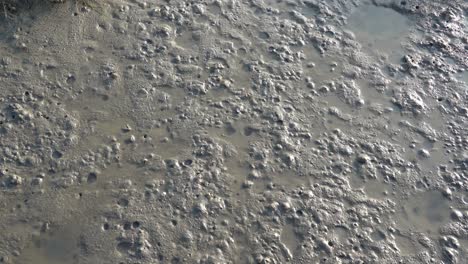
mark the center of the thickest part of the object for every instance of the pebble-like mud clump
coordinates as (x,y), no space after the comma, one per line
(233,131)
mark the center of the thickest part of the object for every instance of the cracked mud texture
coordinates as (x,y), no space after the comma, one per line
(234,131)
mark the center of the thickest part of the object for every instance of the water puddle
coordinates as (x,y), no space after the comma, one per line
(437,155)
(376,189)
(289,238)
(118,173)
(341,233)
(164,143)
(405,245)
(62,246)
(380,30)
(90,102)
(377,235)
(242,245)
(279,6)
(320,69)
(374,96)
(289,179)
(373,188)
(424,212)
(464,243)
(463,76)
(187,41)
(240,136)
(102,131)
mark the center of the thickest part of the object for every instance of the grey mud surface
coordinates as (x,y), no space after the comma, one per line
(234,131)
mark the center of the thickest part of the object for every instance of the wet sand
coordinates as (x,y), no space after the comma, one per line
(260,131)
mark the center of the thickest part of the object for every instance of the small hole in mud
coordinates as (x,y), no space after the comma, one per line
(127,226)
(230,130)
(145,136)
(174,222)
(188,162)
(105,226)
(92,177)
(440,99)
(248,131)
(417,7)
(80,194)
(403,3)
(299,212)
(123,202)
(57,154)
(124,246)
(242,51)
(264,35)
(136,224)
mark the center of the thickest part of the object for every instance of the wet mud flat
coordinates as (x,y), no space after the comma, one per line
(237,131)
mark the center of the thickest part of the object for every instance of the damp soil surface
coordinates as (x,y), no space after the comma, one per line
(236,131)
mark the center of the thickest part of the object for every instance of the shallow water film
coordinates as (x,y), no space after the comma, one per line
(233,131)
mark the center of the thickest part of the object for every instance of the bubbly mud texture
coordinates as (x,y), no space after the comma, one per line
(234,131)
